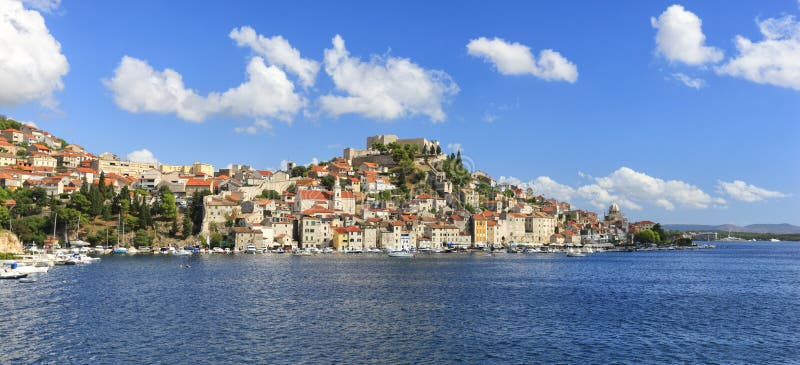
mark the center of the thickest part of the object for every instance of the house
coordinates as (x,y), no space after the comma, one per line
(219,210)
(7,159)
(196,185)
(38,159)
(442,235)
(541,226)
(314,231)
(397,236)
(349,238)
(478,229)
(149,180)
(244,236)
(13,135)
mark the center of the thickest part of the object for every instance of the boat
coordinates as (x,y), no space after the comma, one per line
(301,253)
(98,250)
(279,250)
(132,251)
(575,253)
(10,270)
(120,251)
(217,250)
(250,249)
(401,253)
(182,252)
(774,240)
(327,250)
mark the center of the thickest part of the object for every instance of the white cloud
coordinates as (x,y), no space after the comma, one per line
(745,192)
(680,37)
(490,117)
(633,186)
(511,180)
(455,147)
(517,59)
(137,87)
(773,60)
(384,87)
(31,62)
(47,6)
(601,198)
(277,51)
(142,155)
(257,126)
(544,185)
(694,83)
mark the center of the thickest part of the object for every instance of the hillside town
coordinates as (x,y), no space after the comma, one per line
(395,193)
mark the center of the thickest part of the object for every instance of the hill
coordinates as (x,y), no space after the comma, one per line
(782,228)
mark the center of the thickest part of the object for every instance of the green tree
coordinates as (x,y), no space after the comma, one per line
(647,236)
(299,171)
(328,181)
(142,238)
(5,216)
(186,230)
(80,203)
(167,206)
(173,229)
(270,194)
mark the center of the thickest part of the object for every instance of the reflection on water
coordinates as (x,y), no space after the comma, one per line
(733,304)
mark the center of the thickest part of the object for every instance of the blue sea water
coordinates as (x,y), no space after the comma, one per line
(734,304)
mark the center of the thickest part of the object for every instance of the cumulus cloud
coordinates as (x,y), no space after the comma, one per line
(774,59)
(544,185)
(47,6)
(137,87)
(142,155)
(31,62)
(517,59)
(279,52)
(694,83)
(601,198)
(745,192)
(680,37)
(255,128)
(636,186)
(384,87)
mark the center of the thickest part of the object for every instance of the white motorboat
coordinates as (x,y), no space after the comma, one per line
(401,253)
(132,251)
(327,250)
(98,250)
(774,240)
(182,252)
(575,253)
(217,250)
(250,249)
(301,253)
(11,270)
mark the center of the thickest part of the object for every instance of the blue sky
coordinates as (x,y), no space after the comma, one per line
(609,119)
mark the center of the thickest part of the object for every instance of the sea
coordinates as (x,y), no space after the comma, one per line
(736,304)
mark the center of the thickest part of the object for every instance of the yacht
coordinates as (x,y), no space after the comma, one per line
(301,253)
(327,250)
(11,270)
(120,251)
(217,250)
(401,253)
(250,249)
(183,252)
(774,240)
(575,253)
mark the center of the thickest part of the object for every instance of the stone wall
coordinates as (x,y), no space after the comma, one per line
(9,243)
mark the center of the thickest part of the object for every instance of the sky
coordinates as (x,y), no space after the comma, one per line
(681,112)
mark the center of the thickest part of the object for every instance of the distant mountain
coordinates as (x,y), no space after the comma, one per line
(783,228)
